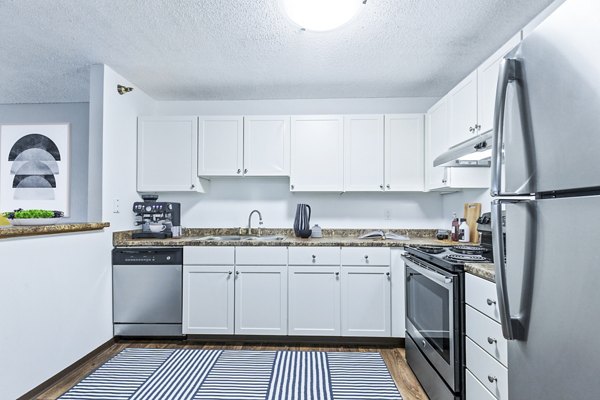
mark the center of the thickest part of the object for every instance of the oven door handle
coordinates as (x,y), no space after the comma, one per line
(440,279)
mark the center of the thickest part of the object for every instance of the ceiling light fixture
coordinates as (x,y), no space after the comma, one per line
(321,15)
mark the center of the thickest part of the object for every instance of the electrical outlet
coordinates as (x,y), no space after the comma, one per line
(387,215)
(116,206)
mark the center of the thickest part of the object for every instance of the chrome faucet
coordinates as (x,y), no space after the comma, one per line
(260,221)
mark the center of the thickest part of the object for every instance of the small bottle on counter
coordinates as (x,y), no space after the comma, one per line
(454,230)
(464,232)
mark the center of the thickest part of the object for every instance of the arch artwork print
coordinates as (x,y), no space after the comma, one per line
(34,170)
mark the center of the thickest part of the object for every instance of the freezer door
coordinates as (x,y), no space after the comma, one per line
(551,135)
(558,357)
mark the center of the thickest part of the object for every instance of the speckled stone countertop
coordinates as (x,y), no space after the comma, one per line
(331,237)
(482,270)
(19,231)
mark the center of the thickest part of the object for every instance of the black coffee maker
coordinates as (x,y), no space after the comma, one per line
(159,220)
(484,227)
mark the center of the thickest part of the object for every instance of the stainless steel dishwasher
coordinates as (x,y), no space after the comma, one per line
(147,291)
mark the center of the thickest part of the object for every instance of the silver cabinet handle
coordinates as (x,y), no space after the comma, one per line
(478,127)
(491,340)
(245,170)
(491,302)
(387,274)
(471,129)
(192,186)
(237,272)
(366,256)
(388,186)
(239,171)
(229,273)
(337,274)
(292,187)
(381,187)
(492,379)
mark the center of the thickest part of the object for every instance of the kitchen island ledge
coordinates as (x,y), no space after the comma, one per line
(25,231)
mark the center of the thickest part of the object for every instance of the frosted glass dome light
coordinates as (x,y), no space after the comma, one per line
(321,15)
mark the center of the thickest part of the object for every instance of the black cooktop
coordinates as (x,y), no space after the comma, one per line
(450,258)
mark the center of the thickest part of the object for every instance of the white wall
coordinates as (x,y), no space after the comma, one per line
(230,200)
(77,115)
(55,305)
(454,203)
(119,146)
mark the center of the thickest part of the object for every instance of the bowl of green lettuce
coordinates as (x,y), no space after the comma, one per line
(33,217)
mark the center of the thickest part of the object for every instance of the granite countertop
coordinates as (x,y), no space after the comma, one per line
(21,231)
(331,237)
(482,270)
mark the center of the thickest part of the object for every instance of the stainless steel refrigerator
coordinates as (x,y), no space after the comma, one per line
(546,175)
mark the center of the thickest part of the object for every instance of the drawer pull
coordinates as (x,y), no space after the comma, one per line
(229,273)
(491,340)
(366,257)
(492,379)
(491,302)
(337,275)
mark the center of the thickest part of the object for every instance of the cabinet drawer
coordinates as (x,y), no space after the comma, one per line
(261,255)
(483,330)
(481,295)
(213,255)
(492,374)
(314,255)
(476,390)
(365,256)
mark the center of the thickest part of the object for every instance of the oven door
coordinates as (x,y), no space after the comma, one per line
(430,316)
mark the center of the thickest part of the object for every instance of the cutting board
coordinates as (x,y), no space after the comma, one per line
(472,212)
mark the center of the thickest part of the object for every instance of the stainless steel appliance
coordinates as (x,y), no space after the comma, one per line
(435,316)
(547,144)
(147,291)
(159,220)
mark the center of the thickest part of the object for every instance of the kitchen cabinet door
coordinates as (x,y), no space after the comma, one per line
(314,301)
(166,154)
(366,301)
(363,153)
(487,80)
(398,297)
(267,146)
(436,142)
(220,146)
(261,300)
(317,157)
(404,152)
(208,299)
(463,110)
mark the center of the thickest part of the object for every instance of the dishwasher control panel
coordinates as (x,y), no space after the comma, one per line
(143,256)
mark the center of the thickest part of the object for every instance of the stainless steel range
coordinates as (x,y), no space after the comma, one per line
(435,316)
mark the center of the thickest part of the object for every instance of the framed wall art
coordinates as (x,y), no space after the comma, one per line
(35,167)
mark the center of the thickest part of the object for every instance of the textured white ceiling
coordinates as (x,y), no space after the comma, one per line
(246,49)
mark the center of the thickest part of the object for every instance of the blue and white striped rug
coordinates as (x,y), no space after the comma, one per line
(180,374)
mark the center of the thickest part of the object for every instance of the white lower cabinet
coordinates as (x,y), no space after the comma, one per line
(366,301)
(486,348)
(261,300)
(314,300)
(208,299)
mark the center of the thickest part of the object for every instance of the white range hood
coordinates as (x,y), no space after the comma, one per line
(475,152)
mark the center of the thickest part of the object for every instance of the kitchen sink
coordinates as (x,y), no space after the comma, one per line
(242,238)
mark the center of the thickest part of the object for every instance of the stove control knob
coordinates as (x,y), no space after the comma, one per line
(148,208)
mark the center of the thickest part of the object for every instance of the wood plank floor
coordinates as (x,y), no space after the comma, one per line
(393,356)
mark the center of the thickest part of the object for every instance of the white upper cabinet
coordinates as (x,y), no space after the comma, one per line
(266,145)
(444,178)
(166,154)
(363,153)
(436,142)
(487,80)
(462,102)
(220,146)
(404,152)
(317,157)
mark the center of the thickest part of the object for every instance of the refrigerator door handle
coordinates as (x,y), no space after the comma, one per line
(512,327)
(510,71)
